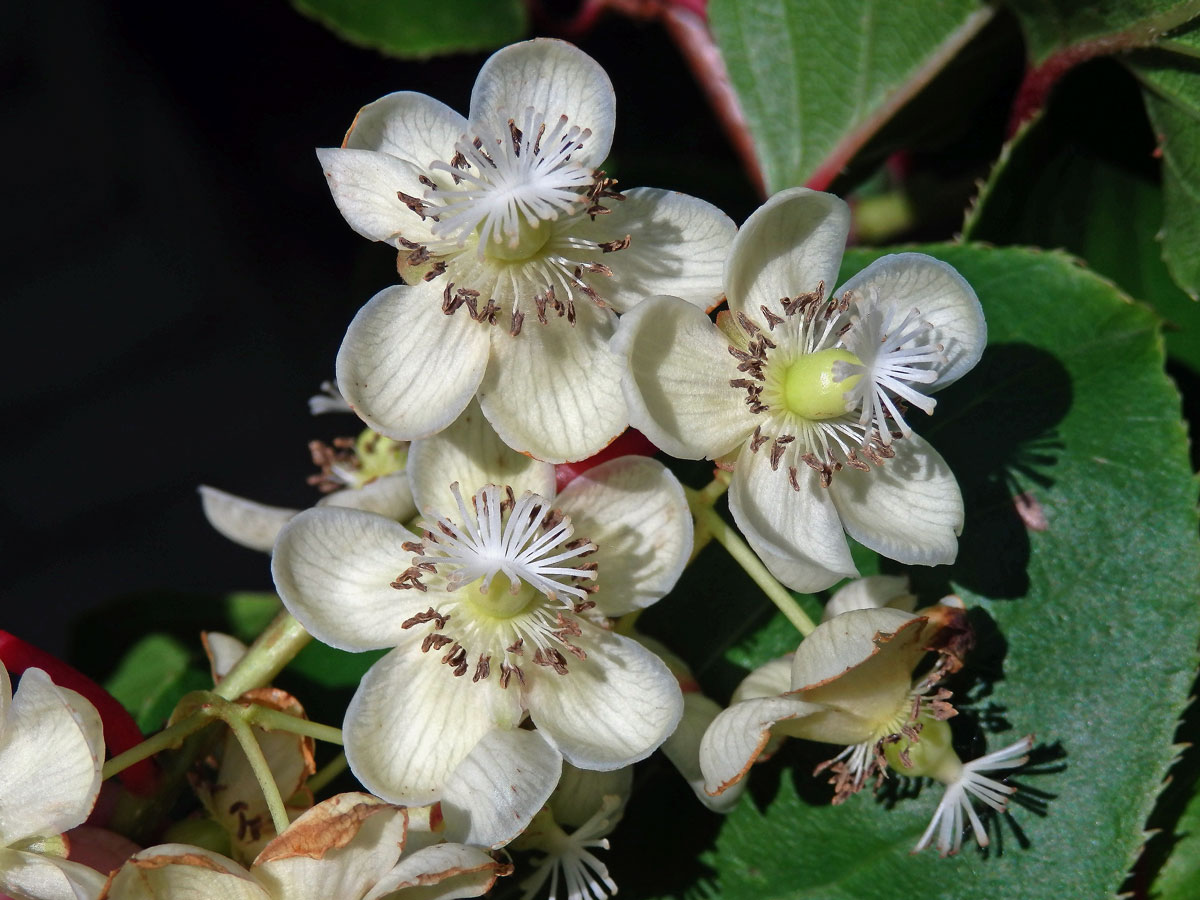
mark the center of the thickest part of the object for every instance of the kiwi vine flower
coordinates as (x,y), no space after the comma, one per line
(803,391)
(51,755)
(516,250)
(498,610)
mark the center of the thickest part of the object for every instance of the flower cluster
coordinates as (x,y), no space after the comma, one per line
(543,310)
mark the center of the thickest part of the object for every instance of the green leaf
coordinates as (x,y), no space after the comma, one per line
(1087,629)
(152,676)
(1071,180)
(1051,25)
(1180,876)
(416,28)
(816,78)
(1171,75)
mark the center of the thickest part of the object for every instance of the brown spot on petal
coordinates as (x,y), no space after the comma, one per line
(327,826)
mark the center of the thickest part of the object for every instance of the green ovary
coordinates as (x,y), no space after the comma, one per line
(932,756)
(498,601)
(528,240)
(809,389)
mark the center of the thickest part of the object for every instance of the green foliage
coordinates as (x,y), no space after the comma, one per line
(1087,630)
(1071,180)
(1180,877)
(1171,75)
(415,29)
(1052,25)
(816,79)
(152,676)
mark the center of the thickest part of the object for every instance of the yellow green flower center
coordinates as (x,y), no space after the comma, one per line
(498,601)
(810,390)
(524,243)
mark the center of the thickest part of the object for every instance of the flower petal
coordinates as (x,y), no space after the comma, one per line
(678,247)
(554,391)
(334,569)
(580,795)
(470,453)
(492,795)
(337,849)
(173,871)
(771,678)
(797,534)
(788,245)
(609,710)
(411,722)
(47,878)
(442,872)
(946,301)
(556,79)
(872,592)
(389,496)
(51,753)
(634,511)
(909,509)
(407,368)
(253,525)
(364,185)
(682,748)
(414,127)
(676,382)
(738,736)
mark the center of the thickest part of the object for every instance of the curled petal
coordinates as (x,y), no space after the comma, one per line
(909,509)
(389,496)
(407,368)
(442,872)
(411,126)
(872,592)
(253,525)
(739,735)
(171,871)
(787,247)
(676,381)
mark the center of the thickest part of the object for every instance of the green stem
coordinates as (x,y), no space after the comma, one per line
(328,772)
(166,739)
(267,656)
(259,765)
(727,537)
(274,720)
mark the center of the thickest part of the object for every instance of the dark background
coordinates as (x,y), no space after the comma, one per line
(177,280)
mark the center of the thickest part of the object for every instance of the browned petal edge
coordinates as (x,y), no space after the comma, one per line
(329,825)
(949,633)
(764,738)
(881,638)
(282,701)
(161,861)
(499,869)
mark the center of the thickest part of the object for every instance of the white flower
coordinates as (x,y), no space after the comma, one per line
(851,684)
(496,611)
(51,754)
(590,804)
(349,847)
(516,251)
(800,389)
(366,473)
(872,592)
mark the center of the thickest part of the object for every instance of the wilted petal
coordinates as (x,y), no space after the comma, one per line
(470,453)
(338,849)
(364,186)
(609,710)
(797,534)
(407,368)
(909,509)
(676,382)
(411,722)
(442,872)
(555,390)
(492,795)
(414,127)
(181,872)
(908,281)
(738,736)
(787,247)
(253,525)
(51,753)
(678,246)
(872,592)
(556,79)
(334,569)
(634,511)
